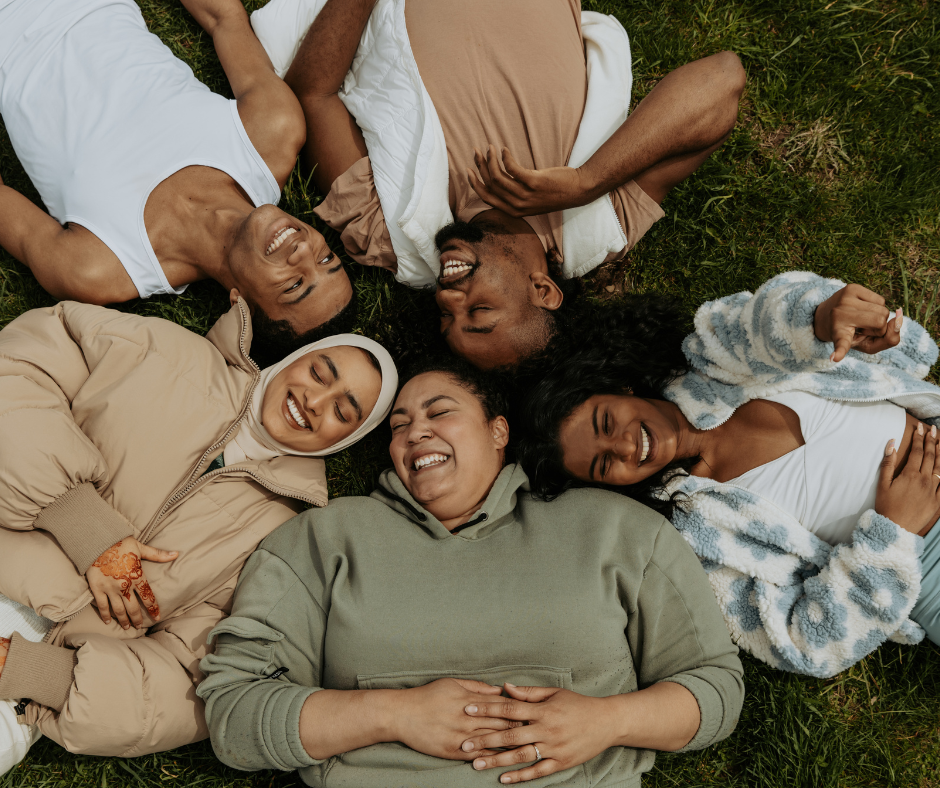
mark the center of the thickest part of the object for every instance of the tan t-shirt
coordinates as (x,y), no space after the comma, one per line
(510,73)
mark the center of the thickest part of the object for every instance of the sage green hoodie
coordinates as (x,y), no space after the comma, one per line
(591,592)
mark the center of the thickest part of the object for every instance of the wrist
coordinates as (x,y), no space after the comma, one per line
(590,185)
(617,720)
(386,713)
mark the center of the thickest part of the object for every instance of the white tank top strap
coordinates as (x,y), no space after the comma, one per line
(100,112)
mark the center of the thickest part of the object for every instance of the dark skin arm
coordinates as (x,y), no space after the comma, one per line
(269,110)
(684,119)
(334,141)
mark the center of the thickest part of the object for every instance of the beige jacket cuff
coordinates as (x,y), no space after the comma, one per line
(38,671)
(83,524)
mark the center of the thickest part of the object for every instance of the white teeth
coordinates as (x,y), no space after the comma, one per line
(455,267)
(295,412)
(646,444)
(279,239)
(429,459)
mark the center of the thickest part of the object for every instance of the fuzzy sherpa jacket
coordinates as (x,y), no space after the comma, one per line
(789,598)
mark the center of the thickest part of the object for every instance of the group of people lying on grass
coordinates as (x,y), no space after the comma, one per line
(485,614)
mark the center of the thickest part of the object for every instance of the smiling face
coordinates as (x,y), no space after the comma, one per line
(619,439)
(285,267)
(321,398)
(493,290)
(444,449)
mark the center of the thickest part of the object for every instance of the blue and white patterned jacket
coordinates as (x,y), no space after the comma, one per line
(789,598)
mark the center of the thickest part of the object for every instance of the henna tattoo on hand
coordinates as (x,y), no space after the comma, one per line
(126,569)
(4,650)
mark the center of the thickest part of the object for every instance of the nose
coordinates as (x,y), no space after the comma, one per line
(624,447)
(315,401)
(419,430)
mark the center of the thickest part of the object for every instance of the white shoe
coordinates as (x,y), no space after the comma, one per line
(15,738)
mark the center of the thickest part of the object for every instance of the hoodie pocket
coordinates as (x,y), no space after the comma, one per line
(520,675)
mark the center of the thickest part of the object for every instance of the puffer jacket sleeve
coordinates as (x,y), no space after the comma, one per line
(789,598)
(49,469)
(276,623)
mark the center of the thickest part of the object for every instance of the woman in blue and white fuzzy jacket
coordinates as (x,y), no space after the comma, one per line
(800,472)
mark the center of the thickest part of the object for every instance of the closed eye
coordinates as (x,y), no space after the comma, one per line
(339,414)
(606,424)
(316,377)
(605,465)
(439,413)
(399,426)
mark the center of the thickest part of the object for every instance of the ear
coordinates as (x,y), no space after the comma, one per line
(548,295)
(233,296)
(500,431)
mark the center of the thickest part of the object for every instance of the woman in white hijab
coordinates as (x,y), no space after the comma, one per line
(140,467)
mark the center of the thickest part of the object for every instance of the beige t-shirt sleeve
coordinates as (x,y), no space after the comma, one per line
(637,212)
(353,209)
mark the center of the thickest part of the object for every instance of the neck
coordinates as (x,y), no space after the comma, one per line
(223,224)
(691,441)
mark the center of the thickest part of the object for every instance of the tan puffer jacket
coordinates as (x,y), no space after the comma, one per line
(107,424)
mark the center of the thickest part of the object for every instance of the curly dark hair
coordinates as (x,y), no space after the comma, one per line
(273,340)
(634,345)
(487,387)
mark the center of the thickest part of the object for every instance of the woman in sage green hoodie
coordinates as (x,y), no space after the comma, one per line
(450,629)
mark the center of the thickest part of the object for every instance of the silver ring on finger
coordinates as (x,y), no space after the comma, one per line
(538,755)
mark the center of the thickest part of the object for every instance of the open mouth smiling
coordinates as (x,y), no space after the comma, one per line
(280,236)
(429,461)
(294,417)
(455,267)
(648,445)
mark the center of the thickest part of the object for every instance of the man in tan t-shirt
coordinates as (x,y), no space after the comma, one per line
(508,80)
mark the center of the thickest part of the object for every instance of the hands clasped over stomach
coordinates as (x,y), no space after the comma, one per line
(482,726)
(912,497)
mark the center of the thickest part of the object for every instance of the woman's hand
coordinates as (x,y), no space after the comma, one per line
(115,576)
(912,500)
(567,728)
(432,719)
(505,184)
(4,650)
(856,317)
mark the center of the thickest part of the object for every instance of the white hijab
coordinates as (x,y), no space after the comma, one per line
(253,441)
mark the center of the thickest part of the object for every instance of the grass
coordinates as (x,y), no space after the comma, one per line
(834,168)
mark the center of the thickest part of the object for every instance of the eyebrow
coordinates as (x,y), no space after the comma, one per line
(426,404)
(594,421)
(331,365)
(355,403)
(312,287)
(591,469)
(593,461)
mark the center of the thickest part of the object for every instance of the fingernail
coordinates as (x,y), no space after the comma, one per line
(479,763)
(832,357)
(920,428)
(467,746)
(471,709)
(505,779)
(107,621)
(898,320)
(126,626)
(508,684)
(890,447)
(933,431)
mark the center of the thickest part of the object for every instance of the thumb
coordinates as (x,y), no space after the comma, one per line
(530,694)
(149,553)
(513,167)
(886,473)
(843,343)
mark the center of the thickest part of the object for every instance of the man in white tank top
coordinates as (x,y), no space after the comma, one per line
(151,180)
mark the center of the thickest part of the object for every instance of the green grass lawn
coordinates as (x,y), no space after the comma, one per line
(832,168)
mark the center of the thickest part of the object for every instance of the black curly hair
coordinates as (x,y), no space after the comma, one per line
(633,345)
(273,340)
(487,387)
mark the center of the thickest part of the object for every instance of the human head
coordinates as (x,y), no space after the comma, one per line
(449,419)
(624,359)
(498,291)
(318,401)
(294,285)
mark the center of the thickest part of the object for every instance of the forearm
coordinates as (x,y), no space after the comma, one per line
(664,716)
(328,49)
(688,111)
(337,721)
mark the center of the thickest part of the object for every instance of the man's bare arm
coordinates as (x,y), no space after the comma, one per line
(268,108)
(69,263)
(334,141)
(683,120)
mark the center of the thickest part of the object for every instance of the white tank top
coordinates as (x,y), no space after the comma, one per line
(832,479)
(99,112)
